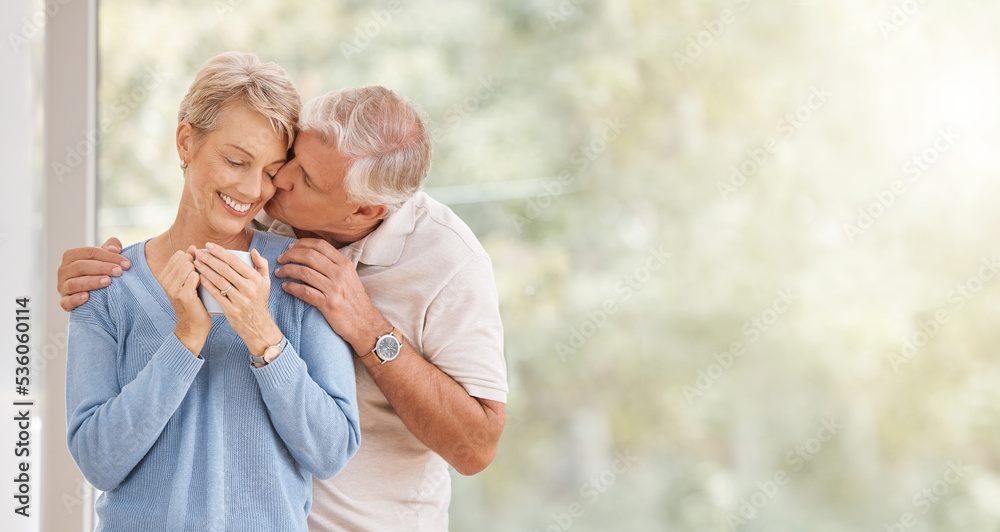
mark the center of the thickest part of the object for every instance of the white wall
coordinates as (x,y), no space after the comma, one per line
(20,252)
(47,101)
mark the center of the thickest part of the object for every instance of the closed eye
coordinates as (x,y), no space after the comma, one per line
(233,163)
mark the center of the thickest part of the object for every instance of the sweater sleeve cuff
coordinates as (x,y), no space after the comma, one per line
(178,360)
(281,371)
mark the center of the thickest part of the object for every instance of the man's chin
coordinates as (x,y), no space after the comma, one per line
(274,211)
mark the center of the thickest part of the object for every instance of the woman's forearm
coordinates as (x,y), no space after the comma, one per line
(110,429)
(259,337)
(311,398)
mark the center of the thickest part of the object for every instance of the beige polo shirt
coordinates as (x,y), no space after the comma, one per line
(431,278)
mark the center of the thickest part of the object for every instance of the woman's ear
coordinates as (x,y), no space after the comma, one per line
(185,142)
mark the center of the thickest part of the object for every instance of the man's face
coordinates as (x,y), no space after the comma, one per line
(310,193)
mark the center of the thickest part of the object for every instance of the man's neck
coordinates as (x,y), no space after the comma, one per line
(336,240)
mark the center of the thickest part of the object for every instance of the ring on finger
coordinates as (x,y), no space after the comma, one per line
(226,290)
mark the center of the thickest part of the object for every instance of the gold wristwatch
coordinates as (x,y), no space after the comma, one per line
(270,353)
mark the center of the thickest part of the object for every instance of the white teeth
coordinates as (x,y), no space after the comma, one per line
(241,207)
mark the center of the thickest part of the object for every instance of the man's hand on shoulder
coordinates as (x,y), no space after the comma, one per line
(88,268)
(464,430)
(331,284)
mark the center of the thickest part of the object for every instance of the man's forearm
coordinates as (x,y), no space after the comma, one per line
(462,429)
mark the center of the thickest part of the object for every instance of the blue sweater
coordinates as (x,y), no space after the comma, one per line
(209,443)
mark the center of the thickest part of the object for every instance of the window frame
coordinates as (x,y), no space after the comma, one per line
(65,499)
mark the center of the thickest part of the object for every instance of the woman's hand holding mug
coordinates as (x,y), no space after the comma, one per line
(180,282)
(246,293)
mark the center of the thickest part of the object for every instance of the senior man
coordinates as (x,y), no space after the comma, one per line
(404,281)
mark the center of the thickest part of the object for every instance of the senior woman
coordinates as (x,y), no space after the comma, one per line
(192,422)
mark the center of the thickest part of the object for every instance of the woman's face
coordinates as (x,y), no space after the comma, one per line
(230,169)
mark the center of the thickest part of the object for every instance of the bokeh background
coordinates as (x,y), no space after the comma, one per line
(746,250)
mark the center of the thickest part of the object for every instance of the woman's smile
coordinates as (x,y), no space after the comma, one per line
(237,208)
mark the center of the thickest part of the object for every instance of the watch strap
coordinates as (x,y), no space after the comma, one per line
(371,359)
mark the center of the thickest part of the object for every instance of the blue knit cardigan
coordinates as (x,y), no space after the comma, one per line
(178,442)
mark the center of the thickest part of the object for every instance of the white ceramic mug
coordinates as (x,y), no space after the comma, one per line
(210,303)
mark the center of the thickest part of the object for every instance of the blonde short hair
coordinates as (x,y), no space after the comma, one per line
(383,135)
(238,77)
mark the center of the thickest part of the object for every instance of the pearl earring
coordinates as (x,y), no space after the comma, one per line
(184,164)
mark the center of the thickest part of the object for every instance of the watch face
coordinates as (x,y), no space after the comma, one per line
(387,348)
(271,353)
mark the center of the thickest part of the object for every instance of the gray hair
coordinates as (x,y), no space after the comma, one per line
(384,136)
(241,78)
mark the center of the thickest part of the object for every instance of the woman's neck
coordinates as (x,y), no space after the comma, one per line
(180,236)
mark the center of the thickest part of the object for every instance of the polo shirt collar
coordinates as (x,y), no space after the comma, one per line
(263,222)
(384,245)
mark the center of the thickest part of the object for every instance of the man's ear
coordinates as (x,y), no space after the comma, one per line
(367,214)
(185,141)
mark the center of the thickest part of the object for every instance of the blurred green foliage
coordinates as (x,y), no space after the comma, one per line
(580,140)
